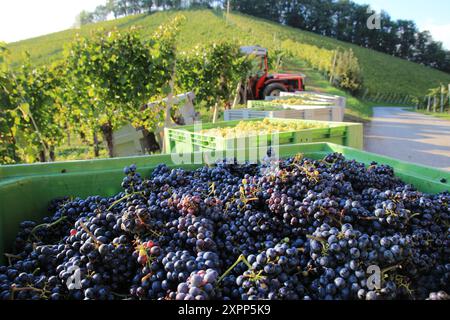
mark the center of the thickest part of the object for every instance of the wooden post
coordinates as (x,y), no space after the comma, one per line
(167,120)
(333,66)
(245,93)
(449,97)
(366,92)
(216,107)
(434,103)
(68,136)
(442,98)
(429,104)
(377,97)
(236,97)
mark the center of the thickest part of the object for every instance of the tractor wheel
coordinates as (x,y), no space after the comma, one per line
(274,90)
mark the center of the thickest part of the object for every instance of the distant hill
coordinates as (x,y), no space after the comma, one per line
(382,73)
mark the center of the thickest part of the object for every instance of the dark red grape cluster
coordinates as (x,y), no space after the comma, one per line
(290,229)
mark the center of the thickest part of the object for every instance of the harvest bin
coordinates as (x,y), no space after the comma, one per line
(26,190)
(321,113)
(184,139)
(311,99)
(313,110)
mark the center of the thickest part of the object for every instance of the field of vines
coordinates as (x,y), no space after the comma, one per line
(105,81)
(66,87)
(382,73)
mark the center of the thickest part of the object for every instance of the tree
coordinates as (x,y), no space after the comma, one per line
(435,55)
(134,6)
(8,128)
(41,117)
(422,41)
(29,112)
(406,33)
(212,72)
(192,3)
(83,18)
(347,21)
(292,15)
(147,5)
(347,73)
(359,33)
(101,13)
(122,7)
(112,75)
(388,36)
(112,6)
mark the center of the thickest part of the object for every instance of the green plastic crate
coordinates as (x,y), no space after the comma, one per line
(26,190)
(184,139)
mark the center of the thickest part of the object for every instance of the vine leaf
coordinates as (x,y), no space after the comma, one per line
(25,109)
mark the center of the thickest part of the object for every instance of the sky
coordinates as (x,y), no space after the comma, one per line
(22,19)
(431,15)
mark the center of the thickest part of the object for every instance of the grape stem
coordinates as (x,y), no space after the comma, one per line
(367,218)
(10,256)
(315,238)
(239,260)
(391,268)
(124,198)
(46,225)
(14,289)
(90,233)
(121,295)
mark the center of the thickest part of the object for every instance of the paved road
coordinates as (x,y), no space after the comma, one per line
(409,136)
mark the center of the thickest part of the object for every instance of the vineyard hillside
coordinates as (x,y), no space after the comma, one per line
(382,73)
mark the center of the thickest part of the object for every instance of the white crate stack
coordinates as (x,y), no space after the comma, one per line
(322,107)
(338,102)
(303,113)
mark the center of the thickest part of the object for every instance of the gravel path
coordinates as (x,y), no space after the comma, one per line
(409,136)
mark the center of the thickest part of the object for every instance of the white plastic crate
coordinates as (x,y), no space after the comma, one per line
(312,98)
(128,141)
(319,113)
(337,101)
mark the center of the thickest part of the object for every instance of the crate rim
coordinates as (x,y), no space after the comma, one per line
(34,170)
(330,124)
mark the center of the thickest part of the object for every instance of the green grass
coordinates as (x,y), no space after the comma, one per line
(382,73)
(78,152)
(357,110)
(445,115)
(79,149)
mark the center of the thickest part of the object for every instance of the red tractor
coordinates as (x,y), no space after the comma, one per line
(261,84)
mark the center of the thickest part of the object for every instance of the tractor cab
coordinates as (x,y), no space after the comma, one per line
(261,84)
